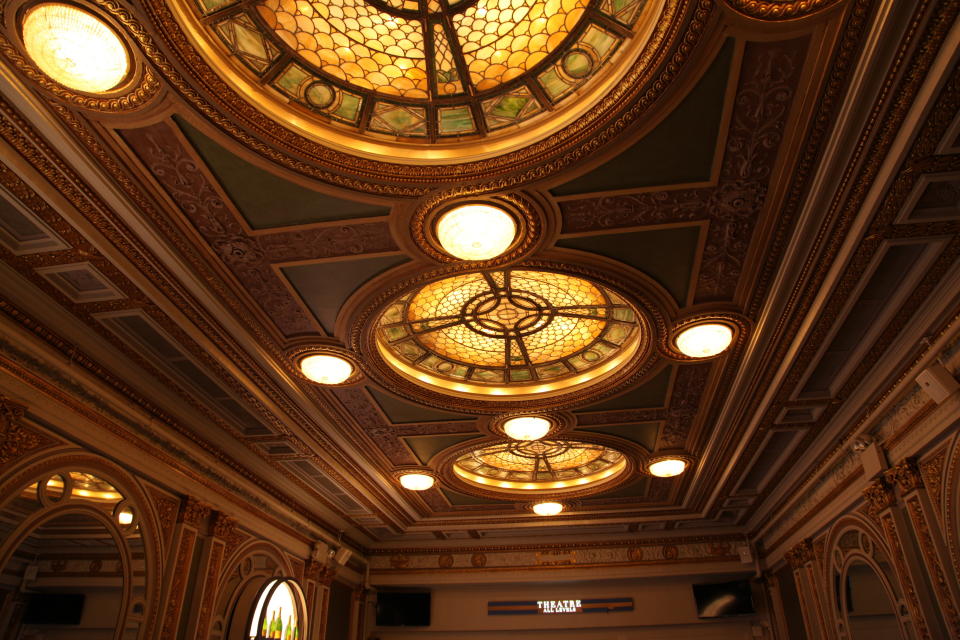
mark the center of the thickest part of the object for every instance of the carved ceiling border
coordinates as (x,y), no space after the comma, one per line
(896,102)
(774,10)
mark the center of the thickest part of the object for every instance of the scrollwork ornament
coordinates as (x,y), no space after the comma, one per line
(879,495)
(778,9)
(193,512)
(800,554)
(15,440)
(906,476)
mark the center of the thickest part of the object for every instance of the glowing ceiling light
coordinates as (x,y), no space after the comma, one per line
(125,516)
(476,231)
(704,340)
(527,427)
(667,467)
(326,369)
(74,47)
(547,508)
(416,481)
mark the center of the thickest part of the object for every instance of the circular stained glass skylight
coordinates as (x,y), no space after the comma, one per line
(508,334)
(553,466)
(427,69)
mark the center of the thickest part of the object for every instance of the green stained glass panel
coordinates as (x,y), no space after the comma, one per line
(455,120)
(209,6)
(555,86)
(292,79)
(349,108)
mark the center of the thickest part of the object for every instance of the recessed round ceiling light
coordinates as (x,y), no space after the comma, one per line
(476,231)
(125,516)
(74,47)
(667,467)
(547,508)
(326,369)
(416,481)
(527,427)
(704,340)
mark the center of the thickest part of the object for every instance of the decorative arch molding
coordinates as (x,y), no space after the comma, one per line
(240,581)
(854,539)
(951,506)
(21,476)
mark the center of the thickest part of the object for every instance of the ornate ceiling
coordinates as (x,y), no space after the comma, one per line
(229,206)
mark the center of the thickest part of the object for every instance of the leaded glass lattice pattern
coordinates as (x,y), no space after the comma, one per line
(540,464)
(482,64)
(509,328)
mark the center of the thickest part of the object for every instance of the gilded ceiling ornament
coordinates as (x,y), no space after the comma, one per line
(509,333)
(425,69)
(779,9)
(540,466)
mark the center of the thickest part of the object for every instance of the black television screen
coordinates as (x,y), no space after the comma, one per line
(53,608)
(723,599)
(403,609)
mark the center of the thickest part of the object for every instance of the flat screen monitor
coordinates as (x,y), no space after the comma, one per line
(53,608)
(403,609)
(723,599)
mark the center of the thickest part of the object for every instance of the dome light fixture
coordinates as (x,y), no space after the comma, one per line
(476,231)
(547,508)
(704,340)
(527,427)
(416,481)
(667,467)
(325,368)
(75,47)
(125,516)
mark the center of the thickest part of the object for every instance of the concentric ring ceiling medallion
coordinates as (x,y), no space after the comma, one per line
(540,466)
(509,335)
(402,74)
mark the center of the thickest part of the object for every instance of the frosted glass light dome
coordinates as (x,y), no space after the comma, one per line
(526,427)
(704,340)
(668,467)
(547,508)
(74,47)
(476,231)
(326,369)
(416,481)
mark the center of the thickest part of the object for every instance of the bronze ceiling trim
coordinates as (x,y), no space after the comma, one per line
(897,102)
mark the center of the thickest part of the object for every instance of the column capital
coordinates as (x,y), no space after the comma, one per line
(905,475)
(879,495)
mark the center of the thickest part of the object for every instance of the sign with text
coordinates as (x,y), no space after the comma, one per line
(550,607)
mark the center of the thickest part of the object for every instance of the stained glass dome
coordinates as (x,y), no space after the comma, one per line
(552,466)
(427,70)
(508,333)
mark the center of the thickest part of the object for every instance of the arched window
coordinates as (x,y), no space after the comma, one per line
(279,612)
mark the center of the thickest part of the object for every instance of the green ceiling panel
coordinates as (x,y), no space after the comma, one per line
(678,151)
(325,286)
(400,411)
(267,200)
(643,433)
(666,255)
(425,447)
(636,489)
(458,499)
(651,395)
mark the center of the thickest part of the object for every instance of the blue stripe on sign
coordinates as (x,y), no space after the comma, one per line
(512,603)
(512,612)
(599,600)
